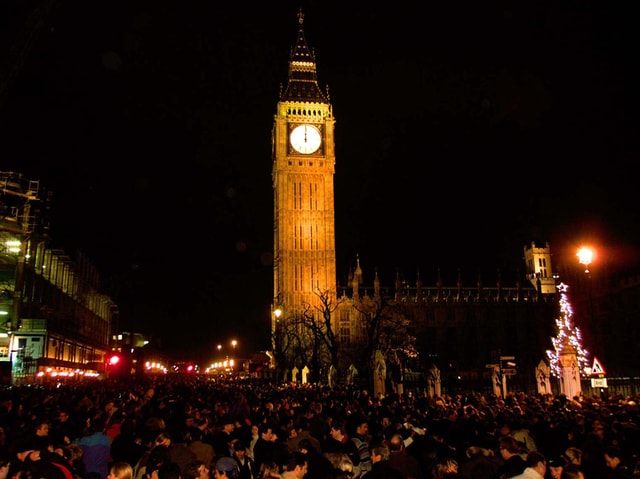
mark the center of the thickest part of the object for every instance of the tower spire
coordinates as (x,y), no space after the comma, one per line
(302,84)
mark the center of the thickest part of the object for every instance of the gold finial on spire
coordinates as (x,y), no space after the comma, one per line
(300,17)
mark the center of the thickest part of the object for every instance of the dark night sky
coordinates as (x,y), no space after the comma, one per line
(464,131)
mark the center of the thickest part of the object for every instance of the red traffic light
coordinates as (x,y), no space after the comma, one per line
(114,359)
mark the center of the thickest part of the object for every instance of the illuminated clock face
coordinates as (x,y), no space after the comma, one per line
(305,139)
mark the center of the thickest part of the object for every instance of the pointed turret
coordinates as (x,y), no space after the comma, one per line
(302,84)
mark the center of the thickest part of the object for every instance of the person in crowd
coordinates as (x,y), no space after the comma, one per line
(240,409)
(342,466)
(120,470)
(447,468)
(517,429)
(169,470)
(203,451)
(30,460)
(245,463)
(480,463)
(96,447)
(617,467)
(381,467)
(405,463)
(127,445)
(157,456)
(112,412)
(573,455)
(269,470)
(197,469)
(75,457)
(593,447)
(179,452)
(295,467)
(572,471)
(360,438)
(338,440)
(64,429)
(267,447)
(255,435)
(226,468)
(221,438)
(41,430)
(555,465)
(536,466)
(317,464)
(317,421)
(510,452)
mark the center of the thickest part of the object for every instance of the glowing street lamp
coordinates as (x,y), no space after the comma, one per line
(234,343)
(585,256)
(275,318)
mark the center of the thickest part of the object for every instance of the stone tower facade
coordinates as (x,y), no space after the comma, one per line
(303,174)
(539,271)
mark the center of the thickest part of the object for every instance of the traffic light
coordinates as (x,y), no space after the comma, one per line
(113,360)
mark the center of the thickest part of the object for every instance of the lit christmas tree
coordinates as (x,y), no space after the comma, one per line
(568,337)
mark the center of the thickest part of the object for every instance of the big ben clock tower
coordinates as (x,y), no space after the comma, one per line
(303,168)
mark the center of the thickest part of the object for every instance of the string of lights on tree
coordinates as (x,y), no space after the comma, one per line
(568,336)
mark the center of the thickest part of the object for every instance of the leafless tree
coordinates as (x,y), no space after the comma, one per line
(386,328)
(321,335)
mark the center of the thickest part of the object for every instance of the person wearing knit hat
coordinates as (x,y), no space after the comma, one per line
(226,467)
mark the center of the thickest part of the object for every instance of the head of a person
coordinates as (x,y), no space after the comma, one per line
(305,446)
(169,470)
(226,467)
(505,429)
(572,471)
(227,424)
(157,456)
(537,461)
(508,447)
(574,455)
(196,470)
(556,465)
(269,469)
(612,457)
(162,439)
(73,452)
(239,448)
(63,416)
(396,442)
(379,452)
(42,428)
(297,464)
(120,470)
(338,429)
(267,433)
(363,428)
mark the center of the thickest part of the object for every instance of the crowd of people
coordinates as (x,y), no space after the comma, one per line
(192,427)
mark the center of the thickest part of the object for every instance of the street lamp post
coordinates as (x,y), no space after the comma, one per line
(585,256)
(277,312)
(276,358)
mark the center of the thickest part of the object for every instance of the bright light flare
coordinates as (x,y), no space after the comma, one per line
(585,256)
